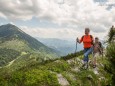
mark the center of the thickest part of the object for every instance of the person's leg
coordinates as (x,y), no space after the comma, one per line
(86,58)
(84,62)
(88,51)
(95,56)
(94,60)
(94,63)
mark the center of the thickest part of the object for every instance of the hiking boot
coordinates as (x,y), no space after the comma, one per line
(85,66)
(94,66)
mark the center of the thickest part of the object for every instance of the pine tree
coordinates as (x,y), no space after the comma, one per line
(111,34)
(111,52)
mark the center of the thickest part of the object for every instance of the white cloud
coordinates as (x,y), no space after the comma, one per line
(2,15)
(70,10)
(12,23)
(75,14)
(64,33)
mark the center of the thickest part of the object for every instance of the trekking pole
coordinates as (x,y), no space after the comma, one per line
(102,54)
(92,62)
(76,47)
(75,51)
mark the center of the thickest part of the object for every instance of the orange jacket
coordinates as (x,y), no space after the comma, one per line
(87,41)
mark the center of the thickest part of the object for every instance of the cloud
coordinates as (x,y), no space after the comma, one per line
(67,11)
(2,15)
(74,14)
(62,33)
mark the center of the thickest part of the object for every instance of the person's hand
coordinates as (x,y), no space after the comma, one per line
(77,40)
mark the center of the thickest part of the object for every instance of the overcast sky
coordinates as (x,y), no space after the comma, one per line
(65,19)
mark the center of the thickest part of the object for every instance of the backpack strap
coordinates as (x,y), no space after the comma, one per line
(82,37)
(101,48)
(91,36)
(100,44)
(91,39)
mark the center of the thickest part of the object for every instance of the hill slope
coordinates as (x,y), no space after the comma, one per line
(10,32)
(57,73)
(30,69)
(14,42)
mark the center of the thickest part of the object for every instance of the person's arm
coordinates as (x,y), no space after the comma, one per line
(79,41)
(92,40)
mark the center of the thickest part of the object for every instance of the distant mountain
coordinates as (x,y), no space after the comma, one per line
(10,32)
(64,46)
(14,42)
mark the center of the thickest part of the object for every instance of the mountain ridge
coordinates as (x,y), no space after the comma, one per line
(10,30)
(14,39)
(64,46)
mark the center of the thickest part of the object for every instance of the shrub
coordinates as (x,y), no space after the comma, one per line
(33,77)
(37,77)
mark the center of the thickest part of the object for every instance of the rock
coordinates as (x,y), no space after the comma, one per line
(62,81)
(78,59)
(57,61)
(95,70)
(89,77)
(101,78)
(76,69)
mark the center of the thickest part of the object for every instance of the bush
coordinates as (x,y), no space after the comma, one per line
(58,66)
(17,79)
(111,56)
(40,78)
(111,51)
(32,77)
(3,82)
(7,55)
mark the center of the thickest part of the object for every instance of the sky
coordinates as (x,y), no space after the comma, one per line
(63,19)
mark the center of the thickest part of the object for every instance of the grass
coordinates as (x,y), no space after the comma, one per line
(16,44)
(45,73)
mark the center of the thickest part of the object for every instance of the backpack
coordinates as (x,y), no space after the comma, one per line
(101,48)
(100,44)
(101,51)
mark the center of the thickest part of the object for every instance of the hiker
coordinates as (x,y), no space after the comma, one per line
(87,40)
(97,50)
